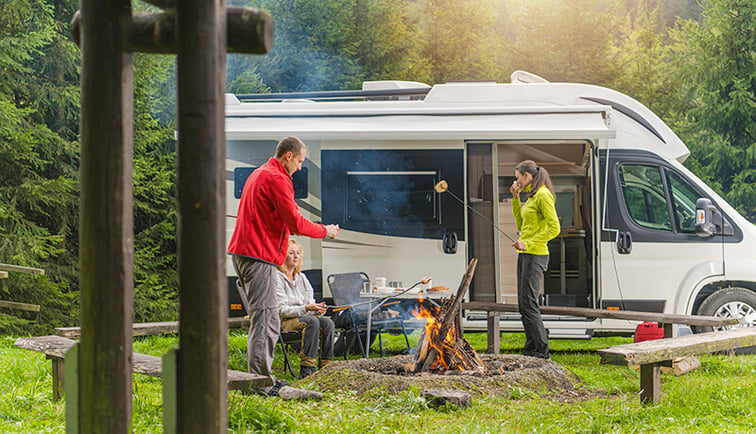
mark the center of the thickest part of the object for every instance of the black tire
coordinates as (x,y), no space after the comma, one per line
(731,303)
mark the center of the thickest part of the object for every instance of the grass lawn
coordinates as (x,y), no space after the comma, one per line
(718,397)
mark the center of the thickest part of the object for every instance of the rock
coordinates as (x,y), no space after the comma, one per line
(288,393)
(439,397)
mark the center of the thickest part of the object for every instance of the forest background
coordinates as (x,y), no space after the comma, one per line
(693,62)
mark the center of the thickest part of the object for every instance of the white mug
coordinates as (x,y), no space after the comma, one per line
(380,282)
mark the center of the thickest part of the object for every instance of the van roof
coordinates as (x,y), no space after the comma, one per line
(526,109)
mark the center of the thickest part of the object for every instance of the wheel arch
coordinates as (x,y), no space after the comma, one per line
(710,288)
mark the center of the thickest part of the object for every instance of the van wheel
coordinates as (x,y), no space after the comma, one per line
(731,303)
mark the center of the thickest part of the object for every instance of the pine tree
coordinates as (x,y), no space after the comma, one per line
(714,63)
(38,159)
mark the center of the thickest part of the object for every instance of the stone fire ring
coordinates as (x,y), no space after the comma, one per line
(503,372)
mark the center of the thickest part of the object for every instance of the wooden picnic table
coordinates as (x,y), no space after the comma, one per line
(652,355)
(667,320)
(55,348)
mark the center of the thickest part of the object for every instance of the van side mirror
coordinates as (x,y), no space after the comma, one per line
(709,220)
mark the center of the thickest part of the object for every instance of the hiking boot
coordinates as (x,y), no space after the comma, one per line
(305,371)
(268,391)
(273,391)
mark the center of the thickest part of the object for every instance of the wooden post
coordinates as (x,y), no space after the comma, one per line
(170,387)
(58,377)
(668,329)
(201,48)
(650,383)
(494,333)
(106,228)
(73,396)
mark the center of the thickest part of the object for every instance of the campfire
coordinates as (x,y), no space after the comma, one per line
(445,360)
(442,347)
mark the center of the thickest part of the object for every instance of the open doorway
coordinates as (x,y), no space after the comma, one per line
(569,278)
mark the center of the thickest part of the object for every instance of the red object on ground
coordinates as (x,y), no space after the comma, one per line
(648,331)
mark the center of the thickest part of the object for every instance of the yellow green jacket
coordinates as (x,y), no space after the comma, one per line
(536,220)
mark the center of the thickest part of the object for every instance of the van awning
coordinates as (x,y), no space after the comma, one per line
(559,123)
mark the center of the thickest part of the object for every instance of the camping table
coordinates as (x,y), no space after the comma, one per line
(387,296)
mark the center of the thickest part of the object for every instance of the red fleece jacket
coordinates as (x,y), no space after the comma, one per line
(267,214)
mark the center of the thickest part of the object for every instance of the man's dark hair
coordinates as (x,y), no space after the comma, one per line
(289,144)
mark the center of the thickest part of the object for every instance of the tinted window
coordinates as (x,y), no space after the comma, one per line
(299,178)
(390,191)
(684,203)
(643,192)
(403,196)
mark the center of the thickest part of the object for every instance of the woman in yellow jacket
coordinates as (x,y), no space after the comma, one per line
(537,223)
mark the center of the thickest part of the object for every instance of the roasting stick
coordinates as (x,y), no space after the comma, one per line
(379,300)
(443,187)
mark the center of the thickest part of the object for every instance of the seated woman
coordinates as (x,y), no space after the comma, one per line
(300,313)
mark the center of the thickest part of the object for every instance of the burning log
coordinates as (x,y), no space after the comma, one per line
(442,346)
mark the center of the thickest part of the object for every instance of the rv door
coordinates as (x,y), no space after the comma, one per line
(652,258)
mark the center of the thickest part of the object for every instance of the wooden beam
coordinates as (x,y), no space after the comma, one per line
(20,269)
(3,274)
(19,306)
(201,154)
(106,227)
(152,328)
(163,4)
(660,350)
(249,31)
(696,320)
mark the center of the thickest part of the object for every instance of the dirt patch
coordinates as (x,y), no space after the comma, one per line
(503,373)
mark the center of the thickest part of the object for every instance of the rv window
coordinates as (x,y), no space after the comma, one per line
(400,196)
(299,178)
(390,191)
(684,203)
(645,201)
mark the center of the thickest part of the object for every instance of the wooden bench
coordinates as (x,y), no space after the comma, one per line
(19,269)
(4,269)
(652,355)
(55,347)
(494,310)
(20,306)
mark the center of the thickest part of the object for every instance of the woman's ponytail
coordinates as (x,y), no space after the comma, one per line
(540,176)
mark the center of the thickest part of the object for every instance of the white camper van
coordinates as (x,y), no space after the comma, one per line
(639,230)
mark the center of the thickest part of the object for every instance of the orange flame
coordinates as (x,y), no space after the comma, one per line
(432,326)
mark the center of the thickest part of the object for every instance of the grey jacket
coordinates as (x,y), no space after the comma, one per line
(293,296)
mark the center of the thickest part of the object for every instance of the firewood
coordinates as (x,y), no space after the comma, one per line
(682,365)
(449,316)
(424,344)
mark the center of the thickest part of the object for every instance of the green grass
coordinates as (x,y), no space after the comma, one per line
(718,397)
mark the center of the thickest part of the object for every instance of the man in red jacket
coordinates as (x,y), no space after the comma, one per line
(267,215)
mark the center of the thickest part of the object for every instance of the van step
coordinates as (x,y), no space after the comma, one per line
(585,334)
